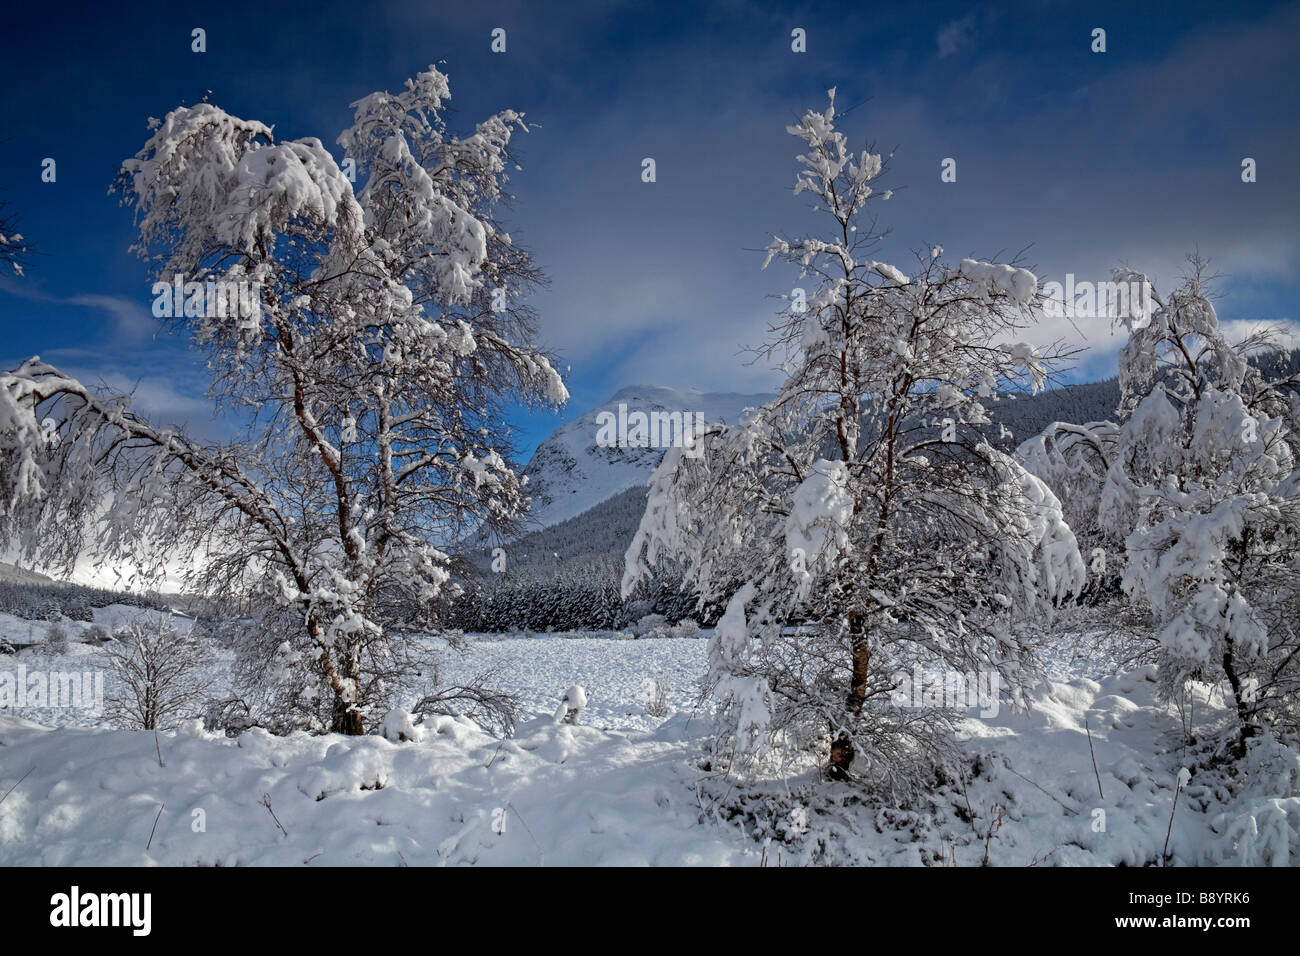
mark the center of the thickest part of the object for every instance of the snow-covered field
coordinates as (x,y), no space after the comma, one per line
(618,675)
(623,786)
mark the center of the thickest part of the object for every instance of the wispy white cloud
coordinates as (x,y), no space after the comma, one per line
(955,34)
(126,319)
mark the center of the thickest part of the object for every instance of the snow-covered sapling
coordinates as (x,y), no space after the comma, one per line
(1196,492)
(161,675)
(56,640)
(657,696)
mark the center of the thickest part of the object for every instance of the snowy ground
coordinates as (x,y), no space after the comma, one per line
(617,675)
(625,787)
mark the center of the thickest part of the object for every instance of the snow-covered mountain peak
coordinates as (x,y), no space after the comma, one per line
(570,472)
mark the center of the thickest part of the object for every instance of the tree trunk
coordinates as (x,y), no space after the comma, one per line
(842,749)
(1245,718)
(1245,715)
(347,720)
(841,758)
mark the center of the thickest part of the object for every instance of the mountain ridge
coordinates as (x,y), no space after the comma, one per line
(570,473)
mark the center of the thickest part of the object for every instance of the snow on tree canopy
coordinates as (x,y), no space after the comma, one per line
(744,693)
(1020,284)
(223,180)
(1060,565)
(821,512)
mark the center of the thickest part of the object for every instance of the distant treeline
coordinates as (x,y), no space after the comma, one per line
(569,596)
(41,601)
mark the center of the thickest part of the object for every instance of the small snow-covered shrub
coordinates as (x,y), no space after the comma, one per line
(656,626)
(575,699)
(160,676)
(455,638)
(651,626)
(1266,835)
(685,628)
(492,709)
(657,704)
(56,640)
(230,715)
(399,726)
(1263,826)
(633,610)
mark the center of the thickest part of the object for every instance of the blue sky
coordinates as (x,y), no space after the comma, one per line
(1088,160)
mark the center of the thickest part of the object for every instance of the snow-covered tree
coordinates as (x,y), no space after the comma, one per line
(860,524)
(1074,460)
(374,340)
(160,671)
(1204,474)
